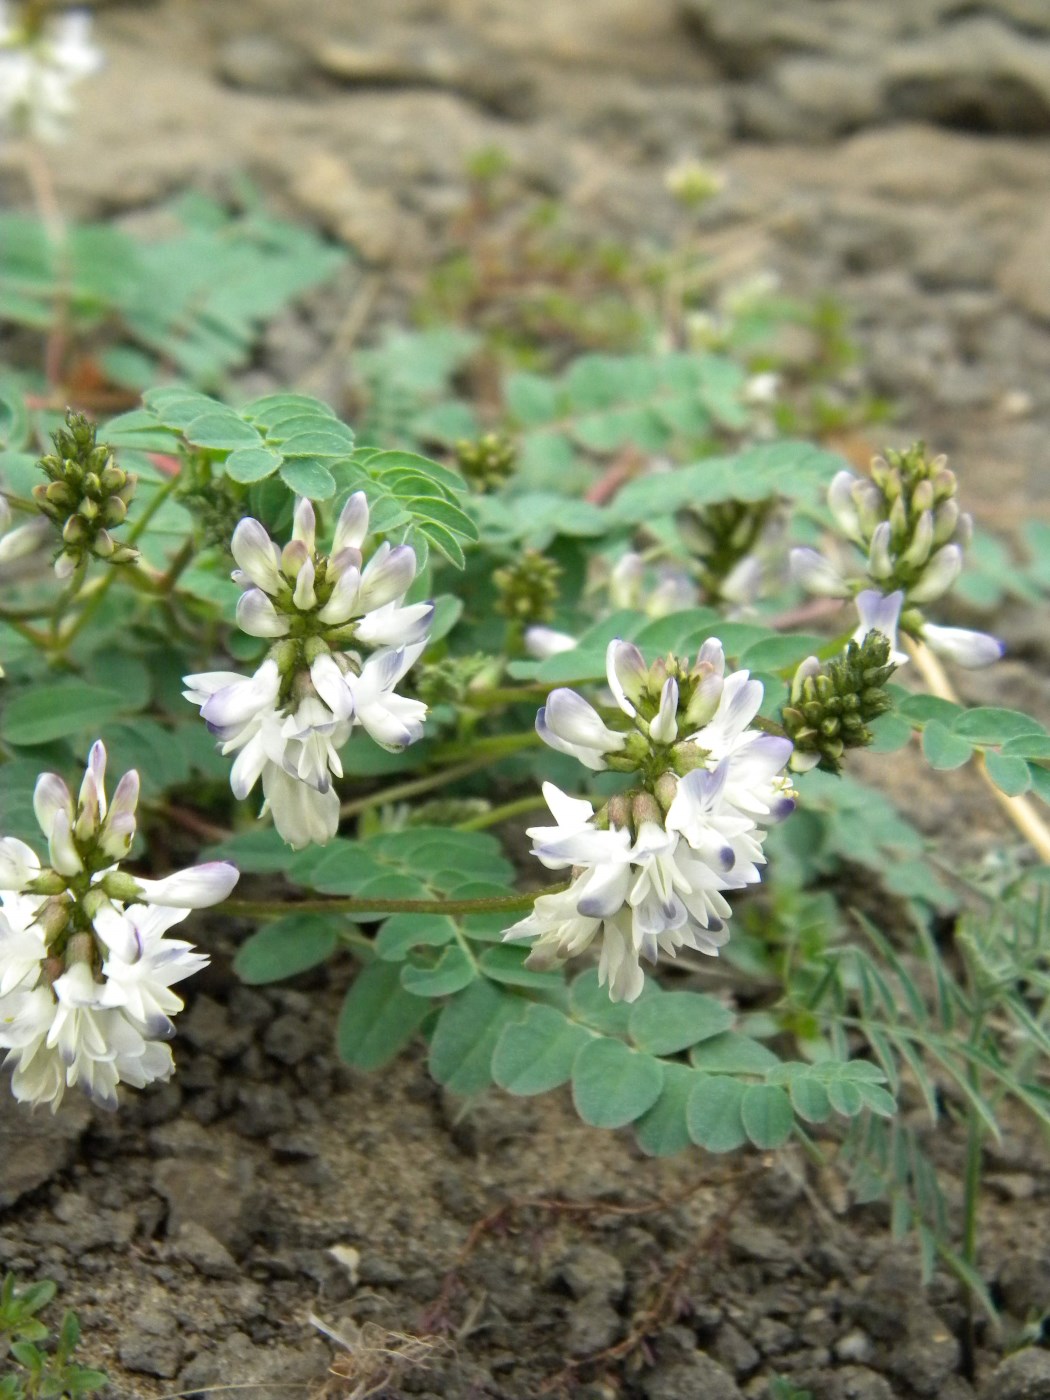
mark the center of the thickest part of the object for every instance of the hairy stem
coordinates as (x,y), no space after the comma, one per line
(1020,811)
(533,803)
(350,904)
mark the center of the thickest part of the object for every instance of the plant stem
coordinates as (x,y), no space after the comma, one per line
(494,746)
(971,1200)
(1020,811)
(93,604)
(533,803)
(350,904)
(413,787)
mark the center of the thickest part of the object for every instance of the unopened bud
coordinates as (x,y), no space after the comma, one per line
(117,885)
(645,808)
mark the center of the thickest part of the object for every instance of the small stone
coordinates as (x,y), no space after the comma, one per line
(858,1383)
(761,1244)
(854,1346)
(262,63)
(690,1379)
(200,1248)
(206,1026)
(1023,1376)
(1024,1281)
(591,1326)
(590,1272)
(733,1351)
(265,1109)
(290,1039)
(34,1147)
(151,1344)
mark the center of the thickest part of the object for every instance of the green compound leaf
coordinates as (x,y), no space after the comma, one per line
(713,1113)
(251,464)
(466,1036)
(453,971)
(810,1099)
(943,749)
(537,1053)
(672,1021)
(222,430)
(287,946)
(765,1112)
(505,963)
(664,1129)
(49,712)
(1009,773)
(732,1052)
(403,932)
(988,724)
(378,1017)
(590,1003)
(613,1085)
(307,476)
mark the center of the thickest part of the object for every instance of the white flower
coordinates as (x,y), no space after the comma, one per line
(816,574)
(61,1024)
(23,539)
(139,977)
(199,887)
(288,721)
(642,896)
(542,642)
(880,612)
(38,69)
(393,721)
(571,725)
(965,648)
(940,573)
(22,947)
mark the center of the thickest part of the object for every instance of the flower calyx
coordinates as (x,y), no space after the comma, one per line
(86,497)
(832,704)
(487,462)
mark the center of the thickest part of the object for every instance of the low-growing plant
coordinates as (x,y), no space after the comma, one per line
(629,554)
(35,1365)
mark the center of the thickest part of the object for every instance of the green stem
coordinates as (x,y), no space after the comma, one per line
(971,1202)
(31,634)
(350,904)
(505,695)
(533,803)
(93,604)
(413,787)
(494,746)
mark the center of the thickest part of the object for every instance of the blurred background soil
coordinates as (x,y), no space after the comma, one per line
(896,155)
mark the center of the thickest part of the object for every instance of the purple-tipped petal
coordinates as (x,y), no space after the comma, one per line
(966,648)
(352,525)
(256,555)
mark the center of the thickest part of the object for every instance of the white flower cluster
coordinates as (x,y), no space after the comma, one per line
(911,533)
(86,968)
(42,57)
(650,872)
(288,721)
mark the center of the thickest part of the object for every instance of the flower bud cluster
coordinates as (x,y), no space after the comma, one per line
(906,521)
(85,967)
(342,638)
(42,56)
(833,703)
(87,497)
(487,462)
(730,540)
(527,589)
(650,871)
